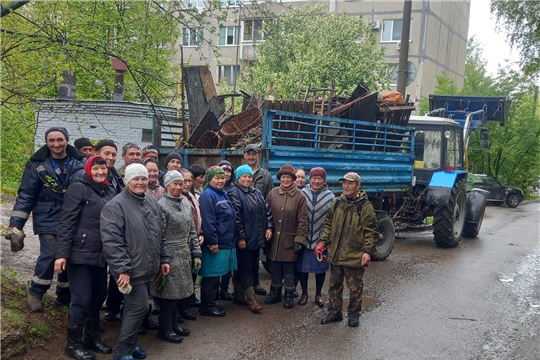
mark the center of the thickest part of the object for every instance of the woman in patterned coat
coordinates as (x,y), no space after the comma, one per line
(183,244)
(318,200)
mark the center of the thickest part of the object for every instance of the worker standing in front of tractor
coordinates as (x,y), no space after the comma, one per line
(349,234)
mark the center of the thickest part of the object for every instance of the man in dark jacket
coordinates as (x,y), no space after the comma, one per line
(107,149)
(45,179)
(350,234)
(262,181)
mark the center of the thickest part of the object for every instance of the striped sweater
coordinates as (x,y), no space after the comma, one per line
(318,203)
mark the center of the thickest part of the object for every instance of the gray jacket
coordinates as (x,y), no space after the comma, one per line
(182,243)
(133,237)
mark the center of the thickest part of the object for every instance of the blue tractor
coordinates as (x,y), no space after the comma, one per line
(440,182)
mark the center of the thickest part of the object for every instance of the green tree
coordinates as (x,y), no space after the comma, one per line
(316,46)
(521,20)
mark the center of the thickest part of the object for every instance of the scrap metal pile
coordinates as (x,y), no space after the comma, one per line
(227,131)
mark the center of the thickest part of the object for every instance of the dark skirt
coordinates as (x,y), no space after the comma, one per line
(308,263)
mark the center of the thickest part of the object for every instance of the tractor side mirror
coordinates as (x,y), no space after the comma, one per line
(484,138)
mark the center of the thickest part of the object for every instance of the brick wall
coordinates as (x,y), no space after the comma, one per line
(121,121)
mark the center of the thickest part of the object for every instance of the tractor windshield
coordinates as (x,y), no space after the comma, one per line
(427,149)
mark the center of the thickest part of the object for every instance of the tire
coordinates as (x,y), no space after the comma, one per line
(385,244)
(512,201)
(449,220)
(472,230)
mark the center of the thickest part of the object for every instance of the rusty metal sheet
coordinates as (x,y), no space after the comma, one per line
(208,122)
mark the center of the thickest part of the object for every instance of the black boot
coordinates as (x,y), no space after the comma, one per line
(275,296)
(193,301)
(148,323)
(208,304)
(289,299)
(92,340)
(175,327)
(183,310)
(259,290)
(166,319)
(74,347)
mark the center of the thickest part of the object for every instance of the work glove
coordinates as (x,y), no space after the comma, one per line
(319,249)
(197,263)
(297,247)
(16,238)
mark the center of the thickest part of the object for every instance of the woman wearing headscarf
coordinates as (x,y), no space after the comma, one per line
(219,227)
(136,251)
(154,190)
(254,225)
(79,249)
(319,199)
(289,213)
(221,287)
(183,245)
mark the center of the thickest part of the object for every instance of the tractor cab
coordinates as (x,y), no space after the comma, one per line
(438,145)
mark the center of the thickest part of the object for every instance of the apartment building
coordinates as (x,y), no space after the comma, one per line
(437,43)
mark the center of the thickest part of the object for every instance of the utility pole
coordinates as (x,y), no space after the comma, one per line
(404,48)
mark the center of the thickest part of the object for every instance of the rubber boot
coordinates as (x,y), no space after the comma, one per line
(254,306)
(275,295)
(208,304)
(74,347)
(288,302)
(92,340)
(165,322)
(148,323)
(176,328)
(239,297)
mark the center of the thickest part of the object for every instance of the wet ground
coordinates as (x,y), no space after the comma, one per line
(478,301)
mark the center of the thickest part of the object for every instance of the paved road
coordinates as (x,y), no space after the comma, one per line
(478,301)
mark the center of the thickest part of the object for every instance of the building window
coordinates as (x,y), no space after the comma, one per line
(225,3)
(252,30)
(199,4)
(391,31)
(229,72)
(228,35)
(146,136)
(192,37)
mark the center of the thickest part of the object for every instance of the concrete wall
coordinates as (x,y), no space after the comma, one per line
(121,121)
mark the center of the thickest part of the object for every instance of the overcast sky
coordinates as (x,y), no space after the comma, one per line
(482,26)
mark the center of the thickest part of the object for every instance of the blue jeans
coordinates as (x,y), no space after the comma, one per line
(44,271)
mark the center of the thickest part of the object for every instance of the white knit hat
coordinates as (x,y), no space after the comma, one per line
(171,176)
(134,170)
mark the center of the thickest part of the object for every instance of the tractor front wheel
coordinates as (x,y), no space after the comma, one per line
(449,219)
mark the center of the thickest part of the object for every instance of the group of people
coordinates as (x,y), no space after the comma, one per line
(157,232)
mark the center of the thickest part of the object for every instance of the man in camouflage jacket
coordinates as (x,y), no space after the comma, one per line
(349,234)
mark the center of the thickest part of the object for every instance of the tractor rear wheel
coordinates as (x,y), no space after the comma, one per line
(387,237)
(449,219)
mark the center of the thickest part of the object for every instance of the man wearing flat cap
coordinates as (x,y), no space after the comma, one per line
(45,179)
(349,234)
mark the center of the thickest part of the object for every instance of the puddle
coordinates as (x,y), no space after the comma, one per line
(506,280)
(366,303)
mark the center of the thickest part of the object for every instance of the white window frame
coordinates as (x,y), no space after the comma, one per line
(195,36)
(252,32)
(199,4)
(234,71)
(228,29)
(231,3)
(387,22)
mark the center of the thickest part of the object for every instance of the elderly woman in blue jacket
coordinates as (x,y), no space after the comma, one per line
(219,228)
(254,224)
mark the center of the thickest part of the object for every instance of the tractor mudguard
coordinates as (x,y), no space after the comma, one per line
(441,185)
(476,205)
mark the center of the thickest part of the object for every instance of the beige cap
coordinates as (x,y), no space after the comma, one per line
(352,176)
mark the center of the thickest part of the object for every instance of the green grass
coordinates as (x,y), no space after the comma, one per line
(10,187)
(531,197)
(11,317)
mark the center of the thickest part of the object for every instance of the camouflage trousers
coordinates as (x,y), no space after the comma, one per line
(355,284)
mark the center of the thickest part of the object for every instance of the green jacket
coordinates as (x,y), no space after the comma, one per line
(346,235)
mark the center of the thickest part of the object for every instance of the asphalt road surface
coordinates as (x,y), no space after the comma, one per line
(478,301)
